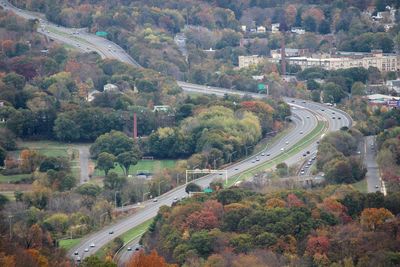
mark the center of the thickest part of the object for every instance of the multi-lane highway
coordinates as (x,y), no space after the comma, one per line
(305,117)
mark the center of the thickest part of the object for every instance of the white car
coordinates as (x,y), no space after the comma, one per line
(287,142)
(263,154)
(282,149)
(86,249)
(129,249)
(92,245)
(175,198)
(155,200)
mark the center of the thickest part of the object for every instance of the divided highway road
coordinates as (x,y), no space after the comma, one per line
(306,116)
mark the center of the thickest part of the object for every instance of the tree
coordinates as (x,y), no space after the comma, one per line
(140,259)
(66,129)
(3,201)
(113,182)
(3,155)
(105,162)
(192,187)
(333,93)
(309,24)
(126,159)
(94,261)
(324,27)
(113,143)
(358,88)
(374,217)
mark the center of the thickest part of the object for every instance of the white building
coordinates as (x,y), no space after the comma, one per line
(393,85)
(383,62)
(109,87)
(298,30)
(247,61)
(261,29)
(275,27)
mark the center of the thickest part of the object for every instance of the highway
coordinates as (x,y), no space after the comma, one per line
(373,177)
(305,117)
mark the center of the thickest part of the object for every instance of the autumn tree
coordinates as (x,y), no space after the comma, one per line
(140,259)
(374,217)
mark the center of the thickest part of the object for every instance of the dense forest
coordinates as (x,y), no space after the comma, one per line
(335,226)
(147,29)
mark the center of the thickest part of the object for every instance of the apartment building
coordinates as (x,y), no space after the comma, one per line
(247,61)
(383,62)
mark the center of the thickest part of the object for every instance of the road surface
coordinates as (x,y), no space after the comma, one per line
(305,117)
(373,176)
(84,156)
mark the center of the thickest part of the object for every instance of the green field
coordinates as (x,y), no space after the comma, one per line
(67,244)
(143,165)
(49,149)
(361,186)
(4,179)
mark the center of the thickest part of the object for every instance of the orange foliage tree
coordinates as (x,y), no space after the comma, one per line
(373,217)
(140,259)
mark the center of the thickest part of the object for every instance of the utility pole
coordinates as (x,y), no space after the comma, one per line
(134,126)
(10,223)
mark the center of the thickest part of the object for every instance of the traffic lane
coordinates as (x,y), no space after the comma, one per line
(150,210)
(373,176)
(124,255)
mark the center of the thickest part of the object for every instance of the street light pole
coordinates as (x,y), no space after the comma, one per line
(144,195)
(115,198)
(10,223)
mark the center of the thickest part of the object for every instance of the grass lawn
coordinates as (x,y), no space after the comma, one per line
(13,178)
(67,244)
(143,165)
(309,138)
(50,149)
(361,186)
(126,237)
(9,195)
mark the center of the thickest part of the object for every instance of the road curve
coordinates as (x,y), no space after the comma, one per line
(305,117)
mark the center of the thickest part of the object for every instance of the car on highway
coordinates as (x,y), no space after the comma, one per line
(111,232)
(322,109)
(333,117)
(86,249)
(339,118)
(257,159)
(287,142)
(263,154)
(253,161)
(268,154)
(175,198)
(155,200)
(301,132)
(282,149)
(308,117)
(302,172)
(76,253)
(376,186)
(92,245)
(78,259)
(129,249)
(236,169)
